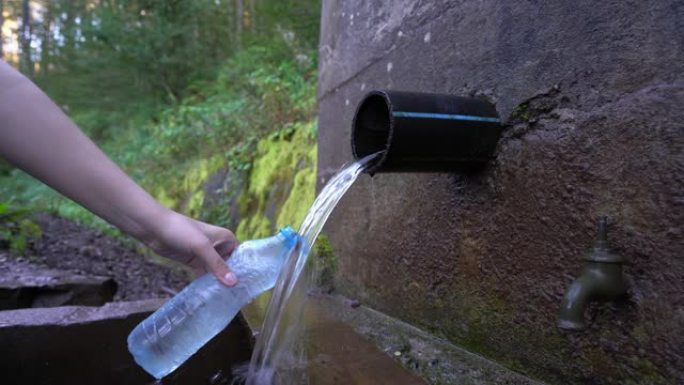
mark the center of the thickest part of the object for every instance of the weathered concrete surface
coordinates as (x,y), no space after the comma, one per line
(317,347)
(24,285)
(345,342)
(591,94)
(338,355)
(87,345)
(436,360)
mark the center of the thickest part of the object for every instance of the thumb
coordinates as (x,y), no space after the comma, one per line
(216,265)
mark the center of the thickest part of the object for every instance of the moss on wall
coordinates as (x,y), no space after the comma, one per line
(302,194)
(282,182)
(279,190)
(324,263)
(490,324)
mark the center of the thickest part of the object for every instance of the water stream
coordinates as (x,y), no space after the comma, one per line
(275,346)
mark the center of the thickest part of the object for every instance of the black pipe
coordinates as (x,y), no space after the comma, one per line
(421,132)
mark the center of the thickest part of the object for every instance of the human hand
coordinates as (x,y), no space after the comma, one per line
(199,245)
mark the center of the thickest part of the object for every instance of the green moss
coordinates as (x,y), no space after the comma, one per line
(521,112)
(482,323)
(281,184)
(648,373)
(487,324)
(324,262)
(200,171)
(30,229)
(272,164)
(164,198)
(17,230)
(256,226)
(194,206)
(301,195)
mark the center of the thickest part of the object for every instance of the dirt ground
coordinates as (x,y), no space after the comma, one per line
(66,245)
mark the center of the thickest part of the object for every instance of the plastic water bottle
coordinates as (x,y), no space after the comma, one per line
(168,337)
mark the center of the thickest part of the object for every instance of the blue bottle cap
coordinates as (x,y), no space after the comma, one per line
(290,235)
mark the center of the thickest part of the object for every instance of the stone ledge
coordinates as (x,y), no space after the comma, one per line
(25,285)
(87,345)
(70,315)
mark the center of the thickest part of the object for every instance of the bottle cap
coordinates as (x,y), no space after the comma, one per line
(290,235)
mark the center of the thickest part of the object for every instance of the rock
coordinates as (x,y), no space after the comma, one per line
(30,286)
(73,315)
(90,251)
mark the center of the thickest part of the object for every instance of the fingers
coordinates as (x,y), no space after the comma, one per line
(215,264)
(222,239)
(224,242)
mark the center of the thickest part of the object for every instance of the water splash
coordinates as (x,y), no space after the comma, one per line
(274,350)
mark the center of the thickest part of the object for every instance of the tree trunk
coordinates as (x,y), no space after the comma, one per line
(252,15)
(239,16)
(45,43)
(86,21)
(26,63)
(69,33)
(2,22)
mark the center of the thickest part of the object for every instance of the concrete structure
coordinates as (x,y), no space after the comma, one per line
(591,94)
(87,345)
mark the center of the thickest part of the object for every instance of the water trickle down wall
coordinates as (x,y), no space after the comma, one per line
(591,97)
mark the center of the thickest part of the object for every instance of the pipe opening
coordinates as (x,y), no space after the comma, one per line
(371,131)
(421,132)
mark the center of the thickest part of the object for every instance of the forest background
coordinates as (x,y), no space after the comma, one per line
(208,104)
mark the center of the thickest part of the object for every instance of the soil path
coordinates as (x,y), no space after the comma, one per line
(66,245)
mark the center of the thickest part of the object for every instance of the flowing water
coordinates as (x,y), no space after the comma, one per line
(275,346)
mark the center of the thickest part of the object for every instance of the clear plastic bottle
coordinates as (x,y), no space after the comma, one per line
(177,330)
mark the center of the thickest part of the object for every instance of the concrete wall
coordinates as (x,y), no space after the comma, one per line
(592,95)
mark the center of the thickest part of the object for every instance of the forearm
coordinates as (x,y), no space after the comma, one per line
(39,138)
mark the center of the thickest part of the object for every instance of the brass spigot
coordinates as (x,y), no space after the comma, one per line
(601,280)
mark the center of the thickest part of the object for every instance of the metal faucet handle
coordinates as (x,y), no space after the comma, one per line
(601,279)
(602,239)
(601,252)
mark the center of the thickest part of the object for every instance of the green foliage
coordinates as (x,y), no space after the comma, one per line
(121,58)
(240,156)
(17,231)
(173,93)
(222,122)
(110,61)
(21,190)
(297,17)
(257,91)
